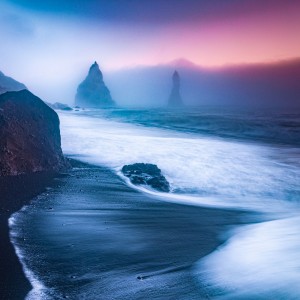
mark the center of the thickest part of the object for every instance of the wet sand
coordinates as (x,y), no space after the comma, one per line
(104,240)
(97,238)
(15,191)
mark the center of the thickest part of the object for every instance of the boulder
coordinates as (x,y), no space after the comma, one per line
(146,174)
(29,135)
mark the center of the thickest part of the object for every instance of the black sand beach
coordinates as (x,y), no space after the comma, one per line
(113,242)
(141,247)
(15,192)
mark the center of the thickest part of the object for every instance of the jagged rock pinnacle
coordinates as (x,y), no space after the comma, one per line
(175,97)
(92,92)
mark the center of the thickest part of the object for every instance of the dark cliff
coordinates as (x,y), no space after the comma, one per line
(29,135)
(93,92)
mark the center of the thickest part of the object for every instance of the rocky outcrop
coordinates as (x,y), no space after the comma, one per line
(9,84)
(146,174)
(59,106)
(175,97)
(29,135)
(92,92)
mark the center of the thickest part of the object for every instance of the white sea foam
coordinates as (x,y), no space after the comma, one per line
(38,291)
(206,170)
(260,261)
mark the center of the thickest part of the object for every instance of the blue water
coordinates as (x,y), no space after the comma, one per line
(259,125)
(224,158)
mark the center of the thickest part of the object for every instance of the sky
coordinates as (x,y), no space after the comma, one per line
(50,44)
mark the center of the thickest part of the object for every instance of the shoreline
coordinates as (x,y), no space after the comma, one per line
(176,235)
(16,191)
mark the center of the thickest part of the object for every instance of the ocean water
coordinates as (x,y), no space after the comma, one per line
(234,172)
(223,158)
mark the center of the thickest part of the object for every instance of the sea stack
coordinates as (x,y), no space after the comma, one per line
(29,136)
(92,92)
(175,99)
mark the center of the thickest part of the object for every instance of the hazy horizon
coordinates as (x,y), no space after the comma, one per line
(49,46)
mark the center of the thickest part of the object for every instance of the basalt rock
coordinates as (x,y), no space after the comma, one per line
(29,135)
(146,174)
(175,99)
(93,92)
(59,106)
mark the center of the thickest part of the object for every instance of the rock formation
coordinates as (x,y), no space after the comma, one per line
(175,97)
(8,84)
(92,92)
(146,174)
(59,106)
(29,135)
